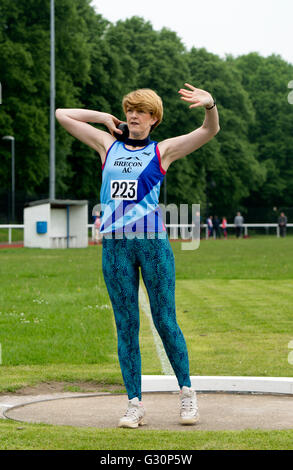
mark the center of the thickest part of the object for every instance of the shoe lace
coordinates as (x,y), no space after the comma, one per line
(188,404)
(131,412)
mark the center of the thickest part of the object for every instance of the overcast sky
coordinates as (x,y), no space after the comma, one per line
(221,26)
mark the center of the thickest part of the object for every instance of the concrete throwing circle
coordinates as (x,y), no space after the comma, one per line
(218,411)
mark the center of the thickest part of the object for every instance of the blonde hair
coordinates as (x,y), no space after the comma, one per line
(146,100)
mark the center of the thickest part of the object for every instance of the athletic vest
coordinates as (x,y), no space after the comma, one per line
(131,182)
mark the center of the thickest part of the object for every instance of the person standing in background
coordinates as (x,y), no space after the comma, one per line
(210,226)
(282,221)
(216,226)
(238,222)
(97,225)
(224,227)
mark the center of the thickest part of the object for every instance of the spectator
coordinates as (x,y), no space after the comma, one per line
(216,227)
(97,224)
(224,227)
(238,222)
(282,221)
(209,222)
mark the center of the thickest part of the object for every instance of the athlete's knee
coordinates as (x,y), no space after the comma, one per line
(164,327)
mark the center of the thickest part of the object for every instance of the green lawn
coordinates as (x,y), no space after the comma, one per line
(234,305)
(16,235)
(23,436)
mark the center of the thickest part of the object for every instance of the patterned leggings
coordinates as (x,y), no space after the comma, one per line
(121,261)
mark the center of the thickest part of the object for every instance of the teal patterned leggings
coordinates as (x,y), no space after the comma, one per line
(121,261)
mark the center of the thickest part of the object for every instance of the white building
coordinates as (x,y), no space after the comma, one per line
(56,224)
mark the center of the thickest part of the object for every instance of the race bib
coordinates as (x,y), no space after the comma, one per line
(124,189)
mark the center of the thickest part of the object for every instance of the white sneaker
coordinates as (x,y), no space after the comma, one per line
(134,415)
(189,409)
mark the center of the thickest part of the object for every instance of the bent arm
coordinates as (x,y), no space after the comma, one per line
(178,147)
(75,121)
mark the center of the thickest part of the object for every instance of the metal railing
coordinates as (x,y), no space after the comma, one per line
(245,227)
(10,227)
(204,226)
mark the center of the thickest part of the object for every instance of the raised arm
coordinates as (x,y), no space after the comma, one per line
(178,147)
(75,121)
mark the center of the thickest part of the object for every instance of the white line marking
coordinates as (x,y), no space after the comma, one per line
(165,364)
(6,405)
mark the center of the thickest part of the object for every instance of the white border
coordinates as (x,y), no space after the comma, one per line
(168,383)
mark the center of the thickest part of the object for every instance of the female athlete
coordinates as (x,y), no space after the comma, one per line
(134,235)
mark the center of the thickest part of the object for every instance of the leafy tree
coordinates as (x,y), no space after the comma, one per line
(231,167)
(249,163)
(266,81)
(25,78)
(91,86)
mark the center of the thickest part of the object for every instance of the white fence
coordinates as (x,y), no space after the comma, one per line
(245,227)
(10,227)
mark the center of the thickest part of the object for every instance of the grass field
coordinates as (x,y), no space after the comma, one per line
(16,235)
(42,437)
(234,305)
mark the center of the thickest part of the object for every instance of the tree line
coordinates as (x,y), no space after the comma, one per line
(248,164)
